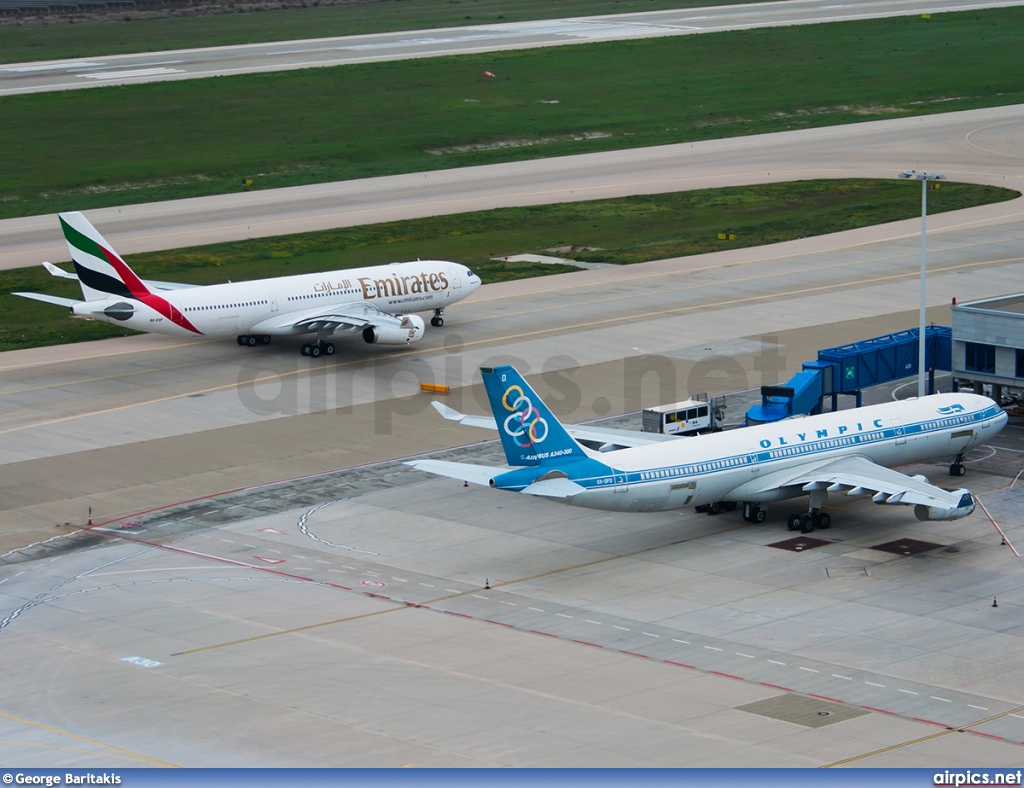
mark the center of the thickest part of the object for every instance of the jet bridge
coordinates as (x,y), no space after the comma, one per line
(848,369)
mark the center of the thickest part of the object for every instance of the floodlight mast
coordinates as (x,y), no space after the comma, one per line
(924,177)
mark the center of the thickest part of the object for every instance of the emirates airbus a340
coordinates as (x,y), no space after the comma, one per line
(372,301)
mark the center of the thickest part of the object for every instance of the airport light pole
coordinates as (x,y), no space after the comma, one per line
(924,177)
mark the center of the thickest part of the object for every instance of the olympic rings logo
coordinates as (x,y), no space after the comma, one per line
(524,422)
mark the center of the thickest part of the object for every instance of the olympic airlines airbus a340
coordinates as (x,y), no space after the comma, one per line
(373,301)
(846,453)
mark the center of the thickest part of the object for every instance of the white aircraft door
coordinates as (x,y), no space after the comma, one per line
(456,279)
(273,302)
(901,437)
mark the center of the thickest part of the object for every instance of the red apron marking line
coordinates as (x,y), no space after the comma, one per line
(882,711)
(680,664)
(269,560)
(453,613)
(982,733)
(499,623)
(538,632)
(633,654)
(376,596)
(727,675)
(826,697)
(930,722)
(775,686)
(272,531)
(586,643)
(335,585)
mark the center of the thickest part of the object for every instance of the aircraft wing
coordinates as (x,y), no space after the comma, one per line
(152,284)
(856,475)
(606,438)
(351,316)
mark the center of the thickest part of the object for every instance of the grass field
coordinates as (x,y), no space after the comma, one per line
(107,146)
(128,31)
(625,230)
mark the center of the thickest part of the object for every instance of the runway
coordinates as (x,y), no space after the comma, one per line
(34,77)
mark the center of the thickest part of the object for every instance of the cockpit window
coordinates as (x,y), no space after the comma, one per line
(469,272)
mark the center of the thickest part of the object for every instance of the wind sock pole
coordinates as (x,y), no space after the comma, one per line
(487,74)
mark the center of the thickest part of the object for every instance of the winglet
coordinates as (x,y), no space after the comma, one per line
(60,273)
(485,422)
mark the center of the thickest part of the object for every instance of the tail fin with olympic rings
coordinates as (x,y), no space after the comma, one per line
(530,433)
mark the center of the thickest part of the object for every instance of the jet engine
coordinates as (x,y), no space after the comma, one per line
(962,509)
(411,330)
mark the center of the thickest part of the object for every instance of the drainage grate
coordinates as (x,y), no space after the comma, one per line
(906,547)
(800,543)
(810,712)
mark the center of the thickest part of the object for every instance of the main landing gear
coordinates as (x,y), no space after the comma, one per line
(252,340)
(957,468)
(437,321)
(318,348)
(805,523)
(753,513)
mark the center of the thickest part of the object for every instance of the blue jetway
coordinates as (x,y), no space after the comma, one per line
(848,369)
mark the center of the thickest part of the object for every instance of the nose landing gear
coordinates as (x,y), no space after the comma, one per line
(437,321)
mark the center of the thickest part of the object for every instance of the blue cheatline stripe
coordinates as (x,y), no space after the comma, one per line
(808,449)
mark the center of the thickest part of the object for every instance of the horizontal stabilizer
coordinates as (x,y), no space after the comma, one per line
(463,471)
(554,488)
(49,299)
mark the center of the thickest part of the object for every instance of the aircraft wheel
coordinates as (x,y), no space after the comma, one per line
(240,340)
(437,322)
(306,348)
(806,524)
(265,339)
(957,469)
(714,508)
(329,348)
(794,522)
(314,351)
(251,341)
(822,520)
(758,515)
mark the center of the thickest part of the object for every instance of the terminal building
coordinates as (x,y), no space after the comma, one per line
(988,346)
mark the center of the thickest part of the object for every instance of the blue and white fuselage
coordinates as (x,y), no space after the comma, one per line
(849,452)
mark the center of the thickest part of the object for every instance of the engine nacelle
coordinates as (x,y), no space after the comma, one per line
(411,330)
(962,509)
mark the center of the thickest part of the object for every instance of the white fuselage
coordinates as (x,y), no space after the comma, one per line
(738,465)
(273,306)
